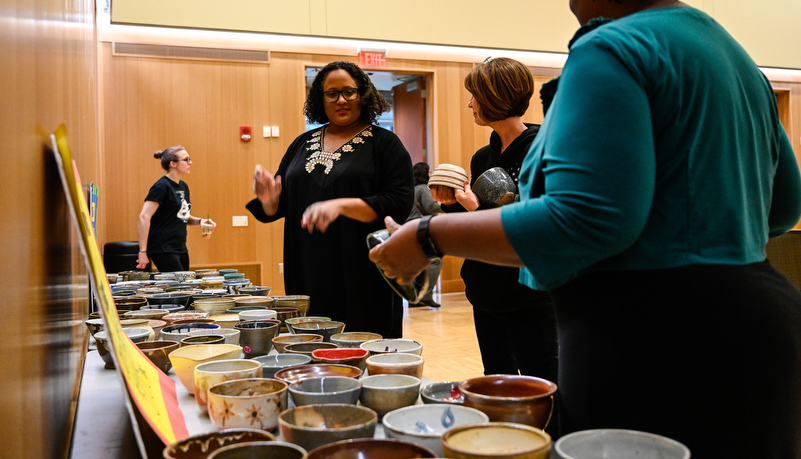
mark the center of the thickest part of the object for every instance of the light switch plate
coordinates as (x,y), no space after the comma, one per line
(240,220)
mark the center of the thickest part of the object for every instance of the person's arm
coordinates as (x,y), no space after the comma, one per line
(142,230)
(267,189)
(785,209)
(474,235)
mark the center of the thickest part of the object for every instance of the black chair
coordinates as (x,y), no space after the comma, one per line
(121,256)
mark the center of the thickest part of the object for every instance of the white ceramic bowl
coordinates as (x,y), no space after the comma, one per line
(326,390)
(252,403)
(425,424)
(258,314)
(383,346)
(620,444)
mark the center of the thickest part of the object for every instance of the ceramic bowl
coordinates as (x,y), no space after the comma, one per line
(137,335)
(282,341)
(256,336)
(442,392)
(181,298)
(316,425)
(370,448)
(495,188)
(157,326)
(185,359)
(620,444)
(231,335)
(226,320)
(237,309)
(202,339)
(283,313)
(158,352)
(395,363)
(325,390)
(327,329)
(511,398)
(178,332)
(274,362)
(214,305)
(212,373)
(353,339)
(290,323)
(207,320)
(258,314)
(384,393)
(130,303)
(175,316)
(347,356)
(308,348)
(301,302)
(183,276)
(95,325)
(254,300)
(256,290)
(225,271)
(425,424)
(383,346)
(504,440)
(170,308)
(252,402)
(97,315)
(316,370)
(139,323)
(201,445)
(146,314)
(263,449)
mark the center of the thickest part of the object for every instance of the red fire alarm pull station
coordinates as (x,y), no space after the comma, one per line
(244,133)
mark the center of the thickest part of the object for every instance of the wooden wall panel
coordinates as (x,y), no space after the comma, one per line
(48,76)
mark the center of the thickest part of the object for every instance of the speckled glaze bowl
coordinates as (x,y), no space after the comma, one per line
(316,425)
(326,390)
(502,440)
(620,444)
(212,373)
(353,339)
(395,363)
(384,393)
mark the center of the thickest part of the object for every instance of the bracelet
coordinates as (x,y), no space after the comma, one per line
(143,251)
(424,239)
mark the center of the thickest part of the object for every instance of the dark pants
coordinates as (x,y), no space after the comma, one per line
(170,262)
(707,355)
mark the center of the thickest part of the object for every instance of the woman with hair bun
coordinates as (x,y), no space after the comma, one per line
(162,222)
(334,186)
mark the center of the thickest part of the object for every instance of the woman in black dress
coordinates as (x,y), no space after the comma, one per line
(333,187)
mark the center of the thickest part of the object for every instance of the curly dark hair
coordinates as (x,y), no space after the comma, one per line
(371,102)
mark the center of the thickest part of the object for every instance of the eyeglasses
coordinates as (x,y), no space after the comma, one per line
(347,93)
(187,159)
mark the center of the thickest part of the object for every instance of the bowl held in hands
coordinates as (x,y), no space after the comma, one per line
(413,292)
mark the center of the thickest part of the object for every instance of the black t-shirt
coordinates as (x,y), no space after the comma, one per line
(168,224)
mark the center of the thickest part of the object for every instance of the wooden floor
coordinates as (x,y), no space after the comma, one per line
(450,348)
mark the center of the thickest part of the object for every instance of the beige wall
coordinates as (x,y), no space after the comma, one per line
(766,29)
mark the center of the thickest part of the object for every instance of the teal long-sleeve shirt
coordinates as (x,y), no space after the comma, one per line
(662,148)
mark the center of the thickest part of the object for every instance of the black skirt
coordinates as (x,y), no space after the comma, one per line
(708,355)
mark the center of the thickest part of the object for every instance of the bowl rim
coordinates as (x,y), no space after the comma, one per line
(298,368)
(290,335)
(370,378)
(276,442)
(244,397)
(339,406)
(357,441)
(373,341)
(426,435)
(558,444)
(222,348)
(414,359)
(487,425)
(203,366)
(467,392)
(256,359)
(212,435)
(426,392)
(294,387)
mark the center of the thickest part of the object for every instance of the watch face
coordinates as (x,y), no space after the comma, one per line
(413,292)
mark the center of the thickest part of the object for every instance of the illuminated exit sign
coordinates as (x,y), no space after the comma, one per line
(372,58)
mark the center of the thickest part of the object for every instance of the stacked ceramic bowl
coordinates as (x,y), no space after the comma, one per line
(448,175)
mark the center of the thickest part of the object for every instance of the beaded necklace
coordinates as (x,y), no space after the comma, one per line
(327,158)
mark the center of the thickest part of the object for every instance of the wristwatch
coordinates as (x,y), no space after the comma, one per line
(424,239)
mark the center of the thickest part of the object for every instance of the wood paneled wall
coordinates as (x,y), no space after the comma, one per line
(48,77)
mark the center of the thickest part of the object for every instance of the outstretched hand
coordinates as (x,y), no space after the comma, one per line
(400,256)
(266,187)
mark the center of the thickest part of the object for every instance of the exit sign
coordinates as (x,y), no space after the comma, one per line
(372,59)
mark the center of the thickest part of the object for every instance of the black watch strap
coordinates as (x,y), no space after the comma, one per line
(424,239)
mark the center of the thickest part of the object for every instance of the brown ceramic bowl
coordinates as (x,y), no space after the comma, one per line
(327,328)
(346,356)
(280,342)
(284,313)
(311,426)
(308,348)
(316,370)
(200,446)
(511,398)
(368,448)
(260,449)
(296,301)
(130,303)
(203,339)
(158,351)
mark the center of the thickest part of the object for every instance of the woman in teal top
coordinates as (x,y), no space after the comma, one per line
(659,173)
